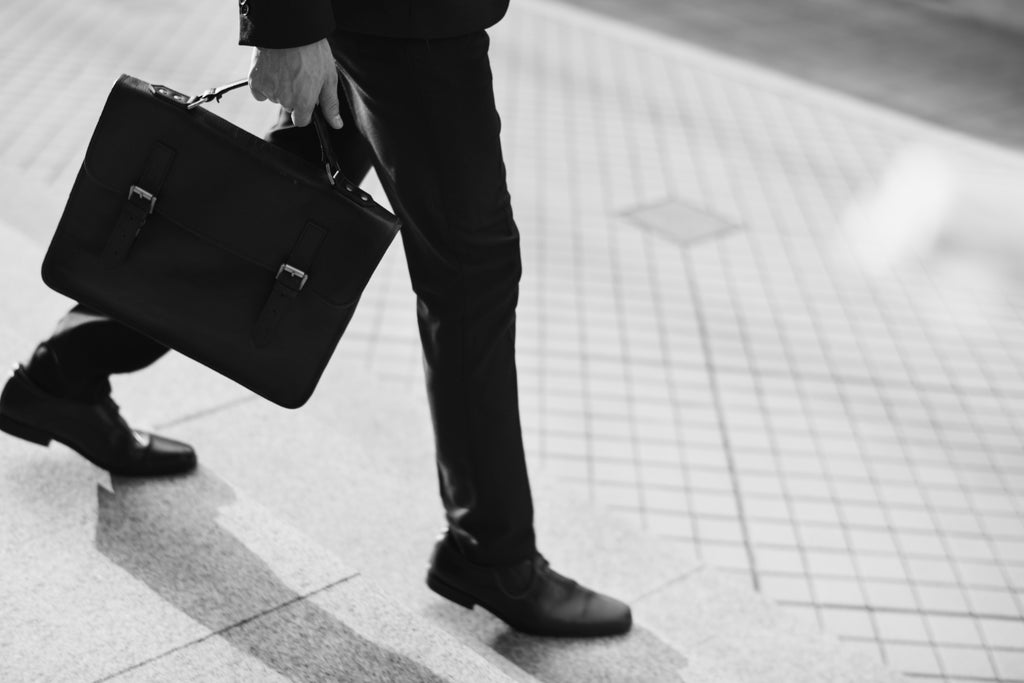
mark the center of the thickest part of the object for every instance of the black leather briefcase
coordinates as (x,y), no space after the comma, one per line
(215,243)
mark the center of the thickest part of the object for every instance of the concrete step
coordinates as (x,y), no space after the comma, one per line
(353,471)
(181,578)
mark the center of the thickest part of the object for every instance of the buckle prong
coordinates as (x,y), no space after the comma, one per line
(136,191)
(293,272)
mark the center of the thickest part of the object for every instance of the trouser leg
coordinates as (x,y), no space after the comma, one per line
(85,349)
(427,110)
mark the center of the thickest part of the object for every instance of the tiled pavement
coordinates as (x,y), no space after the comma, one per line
(921,57)
(848,438)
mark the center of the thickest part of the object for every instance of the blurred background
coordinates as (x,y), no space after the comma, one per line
(774,264)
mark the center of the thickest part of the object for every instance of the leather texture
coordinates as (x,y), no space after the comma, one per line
(95,429)
(230,211)
(529,596)
(278,24)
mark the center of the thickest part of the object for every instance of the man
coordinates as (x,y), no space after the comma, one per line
(415,102)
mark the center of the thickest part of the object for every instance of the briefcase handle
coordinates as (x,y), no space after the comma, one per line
(327,157)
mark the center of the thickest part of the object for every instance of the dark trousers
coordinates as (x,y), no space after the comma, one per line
(422,113)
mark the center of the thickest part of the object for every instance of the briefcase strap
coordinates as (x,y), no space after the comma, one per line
(291,278)
(330,162)
(141,200)
(215,93)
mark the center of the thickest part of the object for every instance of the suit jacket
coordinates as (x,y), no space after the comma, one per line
(290,23)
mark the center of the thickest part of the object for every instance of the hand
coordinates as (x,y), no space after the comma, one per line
(297,78)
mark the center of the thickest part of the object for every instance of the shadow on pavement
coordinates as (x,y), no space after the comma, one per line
(166,534)
(638,657)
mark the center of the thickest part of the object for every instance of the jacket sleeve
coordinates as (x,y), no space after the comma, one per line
(284,23)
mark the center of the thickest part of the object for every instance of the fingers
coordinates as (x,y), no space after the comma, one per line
(329,101)
(298,79)
(254,74)
(302,116)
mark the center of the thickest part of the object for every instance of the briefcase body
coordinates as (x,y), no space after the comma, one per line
(215,243)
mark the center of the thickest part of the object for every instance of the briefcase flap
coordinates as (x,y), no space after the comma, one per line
(233,190)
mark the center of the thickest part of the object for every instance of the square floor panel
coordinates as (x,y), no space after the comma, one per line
(679,222)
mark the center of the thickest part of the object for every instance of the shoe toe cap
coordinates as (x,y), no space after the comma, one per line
(167,455)
(609,615)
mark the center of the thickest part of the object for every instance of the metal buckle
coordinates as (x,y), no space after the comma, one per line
(136,191)
(170,95)
(203,98)
(294,272)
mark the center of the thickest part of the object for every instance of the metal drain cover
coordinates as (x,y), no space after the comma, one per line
(679,222)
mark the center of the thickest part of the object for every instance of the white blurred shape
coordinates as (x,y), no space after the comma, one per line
(902,217)
(960,211)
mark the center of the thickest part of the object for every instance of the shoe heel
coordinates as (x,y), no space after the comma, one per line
(23,431)
(446,590)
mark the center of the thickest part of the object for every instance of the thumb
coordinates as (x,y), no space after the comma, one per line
(329,104)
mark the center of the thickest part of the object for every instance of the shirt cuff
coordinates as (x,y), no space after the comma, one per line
(281,23)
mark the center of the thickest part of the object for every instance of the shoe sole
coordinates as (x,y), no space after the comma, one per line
(446,590)
(24,431)
(38,436)
(460,597)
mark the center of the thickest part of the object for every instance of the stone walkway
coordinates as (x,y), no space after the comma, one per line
(921,57)
(777,327)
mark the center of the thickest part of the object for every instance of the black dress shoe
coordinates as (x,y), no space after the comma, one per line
(94,428)
(529,596)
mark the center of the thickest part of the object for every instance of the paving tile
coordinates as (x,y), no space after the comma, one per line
(889,595)
(1003,633)
(931,571)
(830,564)
(777,560)
(922,544)
(714,605)
(885,567)
(942,599)
(897,627)
(765,317)
(725,556)
(870,541)
(981,574)
(838,591)
(848,623)
(1009,663)
(966,662)
(950,630)
(993,602)
(771,533)
(913,659)
(786,588)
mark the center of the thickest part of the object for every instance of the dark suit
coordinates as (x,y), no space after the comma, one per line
(277,23)
(415,86)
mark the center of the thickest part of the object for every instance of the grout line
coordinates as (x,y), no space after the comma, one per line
(886,316)
(717,400)
(906,610)
(750,74)
(859,381)
(231,627)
